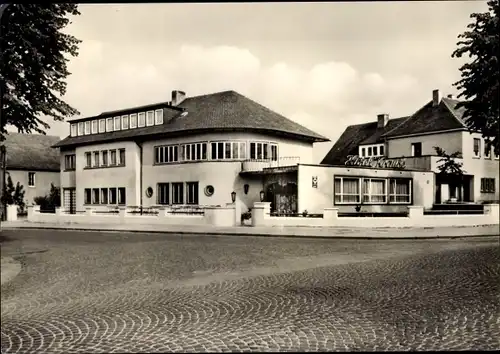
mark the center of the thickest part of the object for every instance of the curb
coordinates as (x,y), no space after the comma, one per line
(248,234)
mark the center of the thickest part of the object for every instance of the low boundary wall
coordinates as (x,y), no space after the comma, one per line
(214,216)
(416,218)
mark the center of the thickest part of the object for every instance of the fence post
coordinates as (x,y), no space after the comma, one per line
(60,211)
(415,213)
(260,212)
(122,213)
(89,212)
(330,216)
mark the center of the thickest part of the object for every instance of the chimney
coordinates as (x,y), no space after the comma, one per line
(451,96)
(382,120)
(436,98)
(178,97)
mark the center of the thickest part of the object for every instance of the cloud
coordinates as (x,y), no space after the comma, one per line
(325,97)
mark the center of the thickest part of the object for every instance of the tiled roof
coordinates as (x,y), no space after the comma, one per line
(355,135)
(429,118)
(226,110)
(31,152)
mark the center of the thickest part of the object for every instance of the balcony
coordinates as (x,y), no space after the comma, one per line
(258,165)
(423,163)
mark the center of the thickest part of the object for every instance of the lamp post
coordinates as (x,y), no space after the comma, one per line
(3,7)
(233,196)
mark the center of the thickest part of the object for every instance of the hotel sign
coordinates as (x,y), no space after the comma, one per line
(375,162)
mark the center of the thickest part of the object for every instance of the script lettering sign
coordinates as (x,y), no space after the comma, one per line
(375,162)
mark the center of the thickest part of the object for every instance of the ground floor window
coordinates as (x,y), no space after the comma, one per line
(95,196)
(163,193)
(112,196)
(177,193)
(353,190)
(399,190)
(122,196)
(347,190)
(192,193)
(104,196)
(87,196)
(487,185)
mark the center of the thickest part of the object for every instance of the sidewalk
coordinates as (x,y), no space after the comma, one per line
(320,232)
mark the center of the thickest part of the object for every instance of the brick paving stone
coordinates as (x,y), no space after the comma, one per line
(94,294)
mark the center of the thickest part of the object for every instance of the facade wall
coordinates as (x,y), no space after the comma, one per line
(480,167)
(450,142)
(315,200)
(43,180)
(121,176)
(222,175)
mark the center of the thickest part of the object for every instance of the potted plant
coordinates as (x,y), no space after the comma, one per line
(304,213)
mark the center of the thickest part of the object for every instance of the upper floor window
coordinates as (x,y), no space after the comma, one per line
(102,125)
(487,150)
(74,129)
(88,160)
(159,116)
(381,150)
(165,154)
(121,155)
(195,151)
(477,147)
(87,127)
(363,152)
(228,150)
(69,162)
(80,128)
(133,121)
(112,157)
(109,124)
(375,151)
(95,126)
(117,125)
(141,120)
(259,151)
(150,118)
(416,149)
(96,158)
(274,152)
(105,158)
(31,179)
(125,122)
(370,151)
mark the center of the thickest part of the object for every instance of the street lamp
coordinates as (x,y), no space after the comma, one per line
(233,196)
(262,195)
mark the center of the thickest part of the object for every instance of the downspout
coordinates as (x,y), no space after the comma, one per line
(140,173)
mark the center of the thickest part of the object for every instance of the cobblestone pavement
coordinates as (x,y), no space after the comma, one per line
(91,292)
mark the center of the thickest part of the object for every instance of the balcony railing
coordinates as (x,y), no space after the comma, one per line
(255,165)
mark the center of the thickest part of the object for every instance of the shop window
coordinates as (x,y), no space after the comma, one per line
(163,193)
(399,190)
(374,190)
(416,149)
(347,190)
(477,147)
(487,185)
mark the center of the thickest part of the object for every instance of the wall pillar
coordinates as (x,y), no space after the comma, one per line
(493,212)
(330,216)
(415,212)
(260,212)
(12,212)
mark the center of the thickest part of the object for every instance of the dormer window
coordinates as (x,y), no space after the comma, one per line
(74,130)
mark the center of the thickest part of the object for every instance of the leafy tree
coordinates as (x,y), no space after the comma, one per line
(13,195)
(33,65)
(449,167)
(479,78)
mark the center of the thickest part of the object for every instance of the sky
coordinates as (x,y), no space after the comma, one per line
(323,65)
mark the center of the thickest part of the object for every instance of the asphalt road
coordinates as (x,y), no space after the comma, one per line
(114,292)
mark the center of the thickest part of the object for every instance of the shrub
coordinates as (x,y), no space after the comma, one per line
(247,215)
(13,195)
(49,203)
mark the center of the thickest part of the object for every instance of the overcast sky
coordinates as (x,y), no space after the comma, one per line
(324,65)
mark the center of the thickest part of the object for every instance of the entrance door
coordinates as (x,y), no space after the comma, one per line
(283,198)
(69,196)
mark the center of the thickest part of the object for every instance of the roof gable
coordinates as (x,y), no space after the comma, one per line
(226,110)
(31,152)
(430,119)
